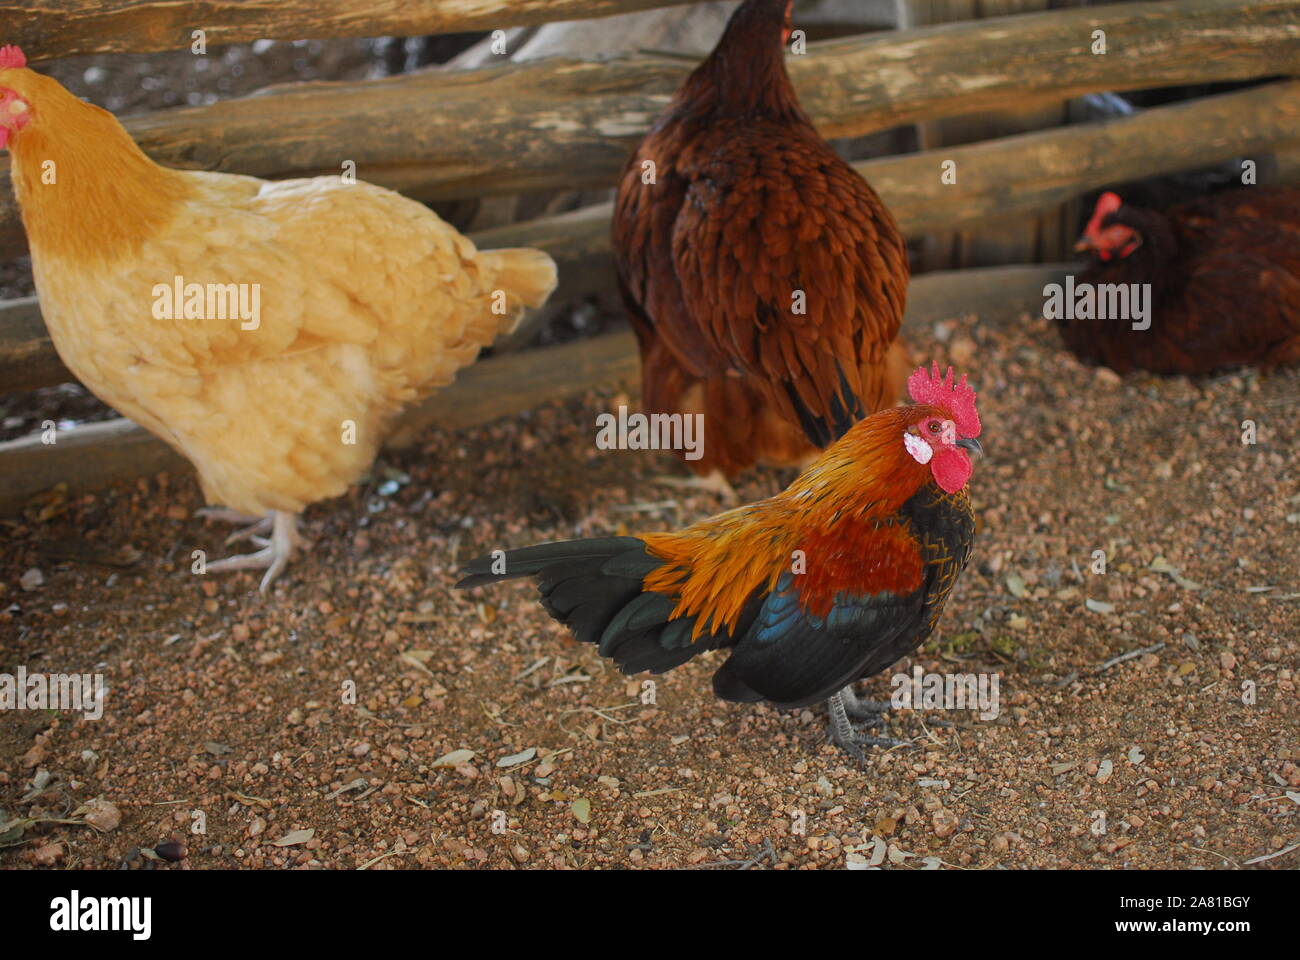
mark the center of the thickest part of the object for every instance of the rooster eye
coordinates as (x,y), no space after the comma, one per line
(933,426)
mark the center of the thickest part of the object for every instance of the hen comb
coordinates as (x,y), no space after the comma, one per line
(12,57)
(942,392)
(1107,204)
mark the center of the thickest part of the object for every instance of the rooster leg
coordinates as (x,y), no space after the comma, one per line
(863,709)
(272,558)
(871,710)
(714,482)
(844,735)
(842,732)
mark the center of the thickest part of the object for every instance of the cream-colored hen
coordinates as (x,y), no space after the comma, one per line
(367,301)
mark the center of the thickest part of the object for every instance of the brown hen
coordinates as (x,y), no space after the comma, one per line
(765,278)
(1224,275)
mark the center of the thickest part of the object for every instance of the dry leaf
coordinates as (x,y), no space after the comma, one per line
(1161,565)
(100,814)
(878,851)
(515,759)
(454,759)
(295,837)
(581,809)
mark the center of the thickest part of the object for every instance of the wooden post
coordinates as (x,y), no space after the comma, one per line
(1009,239)
(67,28)
(999,178)
(566,123)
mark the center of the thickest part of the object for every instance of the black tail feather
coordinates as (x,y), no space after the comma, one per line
(530,561)
(596,589)
(845,411)
(728,686)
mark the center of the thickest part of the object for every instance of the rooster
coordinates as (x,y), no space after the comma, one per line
(358,301)
(764,277)
(1224,275)
(824,584)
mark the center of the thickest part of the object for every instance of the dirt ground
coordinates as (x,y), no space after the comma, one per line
(236,705)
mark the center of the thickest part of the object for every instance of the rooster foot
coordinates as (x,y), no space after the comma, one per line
(863,709)
(714,483)
(844,735)
(274,555)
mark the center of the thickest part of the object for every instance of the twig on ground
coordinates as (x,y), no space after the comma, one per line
(766,853)
(1274,856)
(1141,651)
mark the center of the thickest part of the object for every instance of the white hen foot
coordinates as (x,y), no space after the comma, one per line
(226,515)
(274,556)
(251,525)
(715,482)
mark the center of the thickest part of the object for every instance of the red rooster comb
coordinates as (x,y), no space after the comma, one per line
(1107,204)
(12,57)
(942,392)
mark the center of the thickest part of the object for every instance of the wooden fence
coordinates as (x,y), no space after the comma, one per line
(569,123)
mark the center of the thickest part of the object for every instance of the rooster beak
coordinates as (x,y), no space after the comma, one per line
(1082,244)
(972,445)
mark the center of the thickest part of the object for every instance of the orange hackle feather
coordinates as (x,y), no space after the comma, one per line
(75,164)
(843,506)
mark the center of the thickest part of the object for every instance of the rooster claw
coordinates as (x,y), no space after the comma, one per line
(844,735)
(863,709)
(852,744)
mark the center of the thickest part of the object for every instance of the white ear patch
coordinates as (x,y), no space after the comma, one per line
(918,448)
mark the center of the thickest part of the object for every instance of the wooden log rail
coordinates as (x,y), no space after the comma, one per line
(69,28)
(995,178)
(562,123)
(95,455)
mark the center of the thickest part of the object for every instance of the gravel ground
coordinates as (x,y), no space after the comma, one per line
(235,705)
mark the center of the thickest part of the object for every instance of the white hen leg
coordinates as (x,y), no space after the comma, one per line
(275,556)
(250,525)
